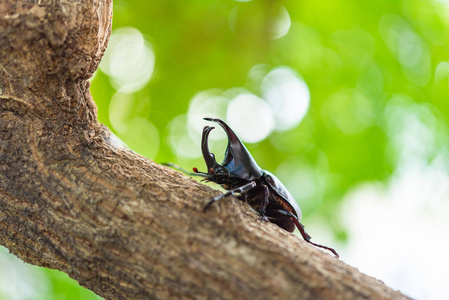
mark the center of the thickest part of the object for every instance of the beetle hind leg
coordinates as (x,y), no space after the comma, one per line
(303,232)
(243,189)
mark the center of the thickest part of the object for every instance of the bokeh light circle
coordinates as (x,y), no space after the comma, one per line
(287,95)
(129,60)
(250,117)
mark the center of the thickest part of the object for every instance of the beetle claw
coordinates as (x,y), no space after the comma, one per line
(263,218)
(209,204)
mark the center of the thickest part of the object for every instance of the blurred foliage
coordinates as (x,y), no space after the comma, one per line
(377,73)
(362,62)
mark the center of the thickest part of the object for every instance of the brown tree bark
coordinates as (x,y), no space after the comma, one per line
(121,225)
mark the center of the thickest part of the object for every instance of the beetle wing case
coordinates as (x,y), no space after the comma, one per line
(282,191)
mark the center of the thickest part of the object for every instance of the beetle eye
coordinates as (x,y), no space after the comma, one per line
(220,171)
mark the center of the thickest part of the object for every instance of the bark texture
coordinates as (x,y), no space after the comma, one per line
(121,225)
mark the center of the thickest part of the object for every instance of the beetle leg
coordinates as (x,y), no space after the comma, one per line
(264,203)
(243,189)
(304,234)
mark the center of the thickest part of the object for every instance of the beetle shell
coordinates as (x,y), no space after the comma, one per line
(280,189)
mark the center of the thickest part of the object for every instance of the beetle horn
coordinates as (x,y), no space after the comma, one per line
(209,157)
(237,158)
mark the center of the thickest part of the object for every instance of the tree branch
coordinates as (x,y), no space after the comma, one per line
(121,225)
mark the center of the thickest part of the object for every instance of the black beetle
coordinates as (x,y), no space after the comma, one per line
(240,174)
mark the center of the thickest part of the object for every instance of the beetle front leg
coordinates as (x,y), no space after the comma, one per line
(303,232)
(243,189)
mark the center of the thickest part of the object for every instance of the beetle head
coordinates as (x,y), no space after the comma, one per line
(237,161)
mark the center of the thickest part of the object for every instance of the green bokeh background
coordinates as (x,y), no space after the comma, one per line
(390,55)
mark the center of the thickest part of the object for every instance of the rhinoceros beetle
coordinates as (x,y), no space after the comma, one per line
(244,179)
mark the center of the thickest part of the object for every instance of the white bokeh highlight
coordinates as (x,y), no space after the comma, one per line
(397,232)
(287,95)
(250,117)
(210,103)
(129,60)
(180,140)
(280,23)
(135,131)
(283,102)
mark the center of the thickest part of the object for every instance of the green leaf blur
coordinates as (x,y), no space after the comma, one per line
(367,66)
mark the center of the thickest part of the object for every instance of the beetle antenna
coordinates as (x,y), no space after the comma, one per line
(195,170)
(196,173)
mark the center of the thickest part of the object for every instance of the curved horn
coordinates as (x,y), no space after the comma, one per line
(209,157)
(237,158)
